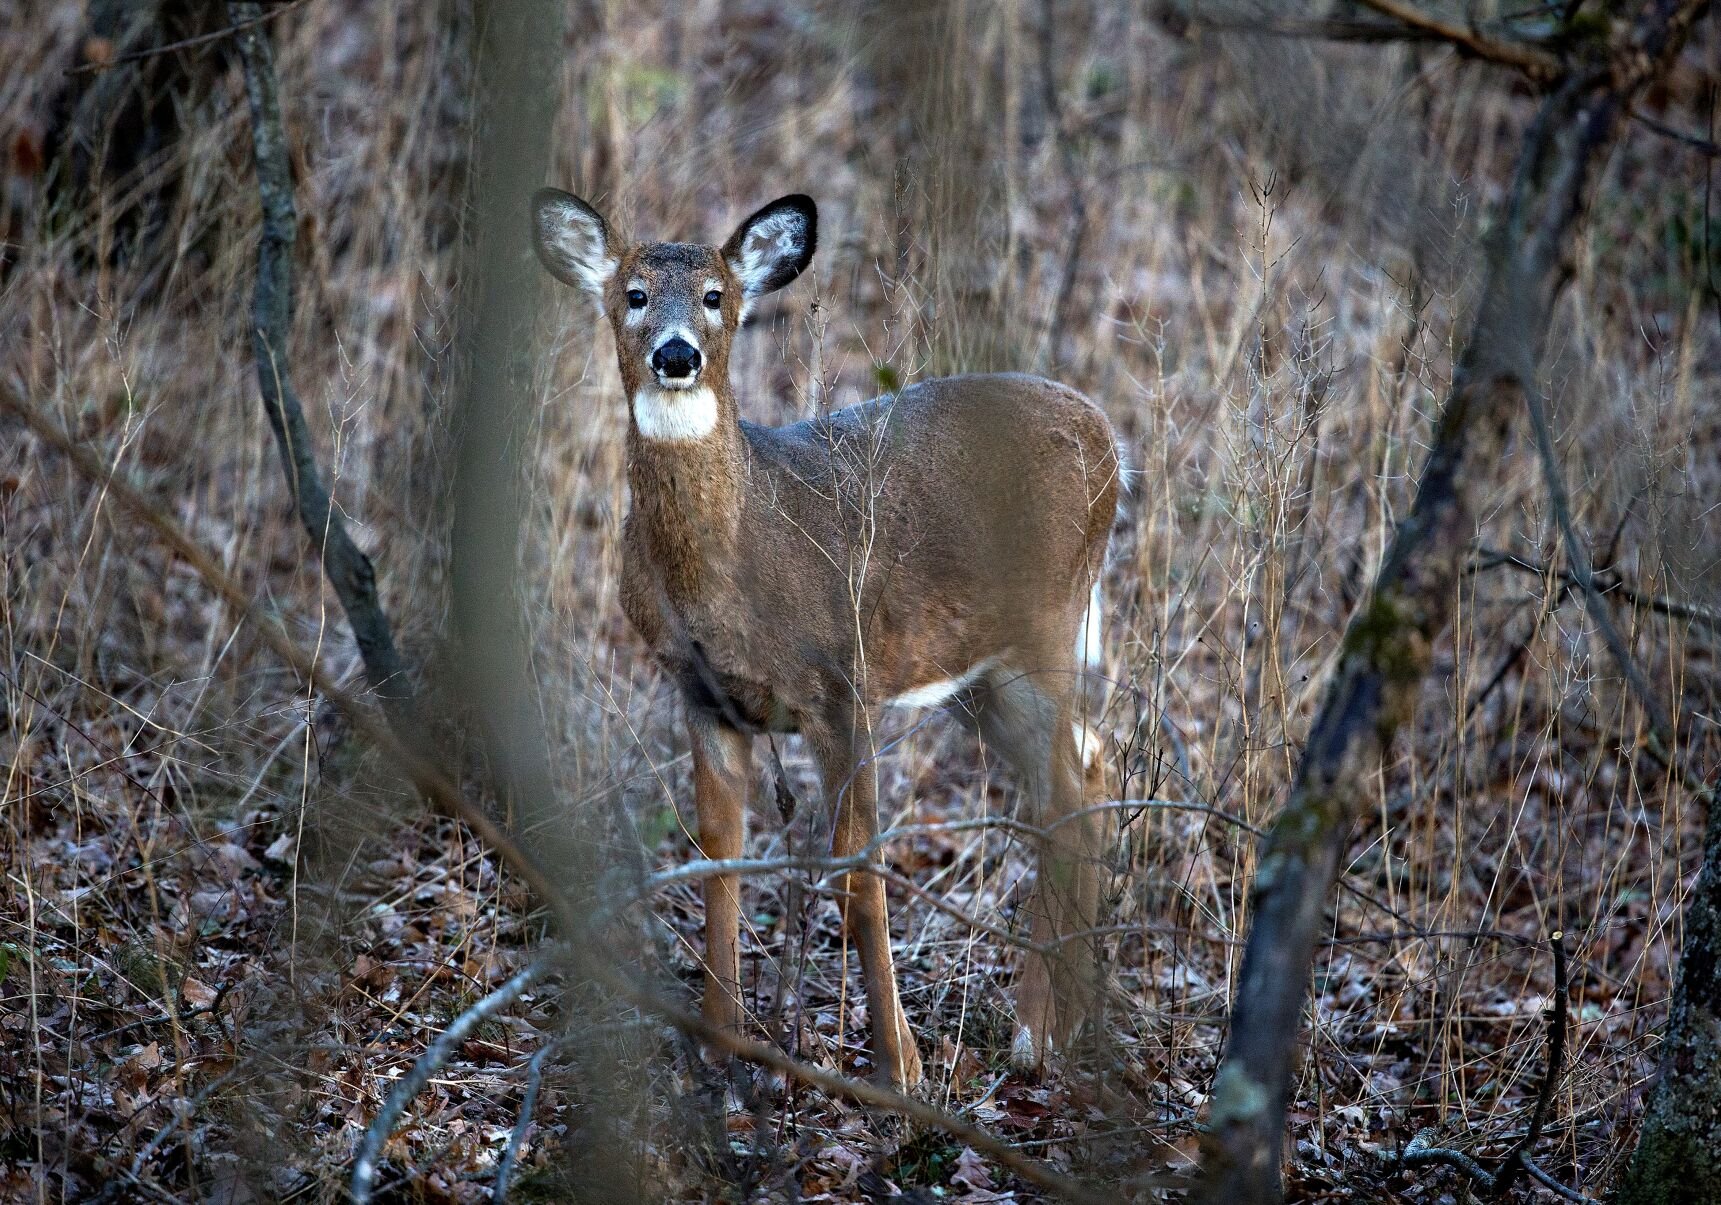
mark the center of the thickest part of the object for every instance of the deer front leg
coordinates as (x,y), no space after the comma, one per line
(852,786)
(722,771)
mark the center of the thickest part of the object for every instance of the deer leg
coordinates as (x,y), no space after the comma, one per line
(852,786)
(1028,721)
(722,758)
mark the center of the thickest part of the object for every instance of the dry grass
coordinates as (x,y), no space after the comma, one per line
(224,930)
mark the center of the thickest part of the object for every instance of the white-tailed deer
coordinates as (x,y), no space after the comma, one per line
(942,543)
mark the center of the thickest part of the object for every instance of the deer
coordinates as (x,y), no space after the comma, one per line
(938,546)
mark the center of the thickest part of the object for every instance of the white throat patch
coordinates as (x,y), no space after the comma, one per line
(676,415)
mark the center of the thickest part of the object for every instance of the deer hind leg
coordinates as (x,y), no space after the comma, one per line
(852,787)
(722,771)
(1028,718)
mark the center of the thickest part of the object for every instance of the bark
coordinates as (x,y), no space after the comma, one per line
(1387,648)
(1678,1157)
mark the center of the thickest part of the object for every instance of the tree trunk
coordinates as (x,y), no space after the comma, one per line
(1678,1157)
(517,53)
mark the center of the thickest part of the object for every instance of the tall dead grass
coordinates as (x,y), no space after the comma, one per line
(1276,248)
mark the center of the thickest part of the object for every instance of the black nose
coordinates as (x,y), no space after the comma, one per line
(676,359)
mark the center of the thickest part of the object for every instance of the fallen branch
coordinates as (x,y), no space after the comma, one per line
(1516,1161)
(428,1064)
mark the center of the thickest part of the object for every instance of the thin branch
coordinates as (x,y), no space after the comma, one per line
(705,868)
(1513,1163)
(1552,1185)
(201,39)
(1533,61)
(1662,604)
(1578,557)
(523,1122)
(1702,145)
(1324,29)
(428,1064)
(1498,1183)
(348,569)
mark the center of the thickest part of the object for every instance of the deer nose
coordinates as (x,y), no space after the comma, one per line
(676,359)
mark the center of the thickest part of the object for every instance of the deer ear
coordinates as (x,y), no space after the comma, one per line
(573,241)
(774,246)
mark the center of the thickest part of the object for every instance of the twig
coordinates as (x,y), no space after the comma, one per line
(1533,61)
(1699,614)
(186,43)
(1578,557)
(1328,29)
(1517,1160)
(1552,1185)
(528,1102)
(428,1064)
(1702,145)
(214,1006)
(348,569)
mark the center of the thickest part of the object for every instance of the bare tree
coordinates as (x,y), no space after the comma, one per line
(1389,643)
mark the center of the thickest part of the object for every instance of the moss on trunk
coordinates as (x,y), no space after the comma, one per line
(1678,1157)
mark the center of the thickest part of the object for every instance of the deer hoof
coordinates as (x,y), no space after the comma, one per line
(1027,1053)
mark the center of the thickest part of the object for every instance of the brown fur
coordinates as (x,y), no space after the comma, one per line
(799,577)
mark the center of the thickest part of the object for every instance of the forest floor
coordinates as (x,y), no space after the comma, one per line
(227,927)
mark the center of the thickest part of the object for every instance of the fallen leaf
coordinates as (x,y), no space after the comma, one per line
(971,1170)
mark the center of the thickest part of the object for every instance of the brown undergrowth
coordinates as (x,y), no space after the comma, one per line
(225,928)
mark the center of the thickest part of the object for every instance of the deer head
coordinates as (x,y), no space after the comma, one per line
(674,307)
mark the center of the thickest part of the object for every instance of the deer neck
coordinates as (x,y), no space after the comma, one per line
(685,474)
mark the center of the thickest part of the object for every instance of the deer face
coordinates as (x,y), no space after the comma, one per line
(674,307)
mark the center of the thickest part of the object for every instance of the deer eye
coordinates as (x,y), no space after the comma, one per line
(713,299)
(636,299)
